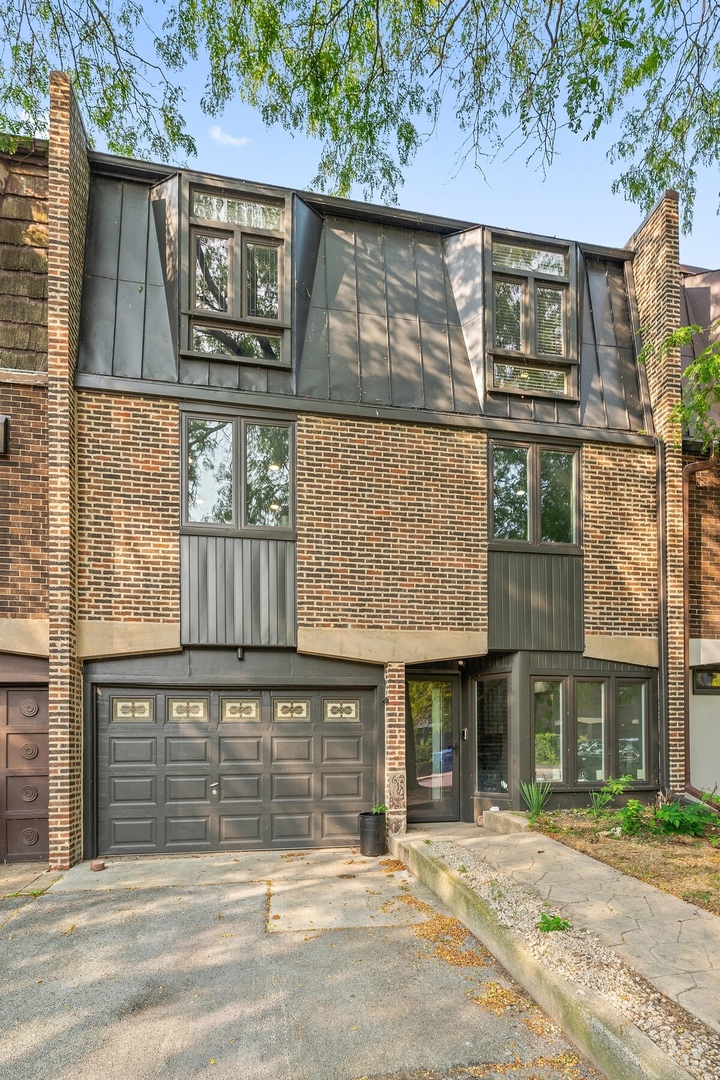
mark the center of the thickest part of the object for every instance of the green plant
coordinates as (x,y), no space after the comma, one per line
(535,794)
(632,818)
(547,748)
(548,923)
(609,791)
(381,808)
(691,820)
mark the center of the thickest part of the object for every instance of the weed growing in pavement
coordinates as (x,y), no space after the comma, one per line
(548,923)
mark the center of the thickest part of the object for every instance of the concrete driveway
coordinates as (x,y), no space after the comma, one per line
(267,966)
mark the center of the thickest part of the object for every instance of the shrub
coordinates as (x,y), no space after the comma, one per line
(690,820)
(632,818)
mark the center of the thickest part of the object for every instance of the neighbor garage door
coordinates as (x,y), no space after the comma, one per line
(221,770)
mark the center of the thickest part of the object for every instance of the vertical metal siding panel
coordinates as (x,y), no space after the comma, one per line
(247,592)
(184,589)
(238,629)
(272,589)
(218,627)
(256,631)
(228,626)
(211,590)
(282,623)
(264,558)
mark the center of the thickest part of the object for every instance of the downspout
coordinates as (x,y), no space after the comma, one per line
(689,470)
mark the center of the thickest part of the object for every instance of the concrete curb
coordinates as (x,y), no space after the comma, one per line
(609,1040)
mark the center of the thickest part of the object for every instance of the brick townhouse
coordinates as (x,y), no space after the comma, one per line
(310,505)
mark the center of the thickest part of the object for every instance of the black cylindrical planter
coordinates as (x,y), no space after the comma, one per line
(372,833)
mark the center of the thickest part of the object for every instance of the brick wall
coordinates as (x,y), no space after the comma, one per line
(704,532)
(23,259)
(129,508)
(395,776)
(68,182)
(657,286)
(23,507)
(620,541)
(392,526)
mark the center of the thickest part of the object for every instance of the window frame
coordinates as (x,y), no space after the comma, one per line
(535,541)
(611,682)
(529,280)
(236,318)
(237,526)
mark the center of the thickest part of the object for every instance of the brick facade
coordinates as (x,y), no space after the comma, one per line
(392,526)
(657,284)
(23,507)
(704,566)
(68,184)
(129,508)
(620,541)
(23,259)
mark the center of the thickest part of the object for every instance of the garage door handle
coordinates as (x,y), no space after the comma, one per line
(214,788)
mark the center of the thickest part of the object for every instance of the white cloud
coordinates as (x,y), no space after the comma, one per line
(219,136)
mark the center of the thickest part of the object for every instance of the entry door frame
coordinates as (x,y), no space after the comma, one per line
(453,677)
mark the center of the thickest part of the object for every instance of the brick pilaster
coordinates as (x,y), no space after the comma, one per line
(68,181)
(395,778)
(657,283)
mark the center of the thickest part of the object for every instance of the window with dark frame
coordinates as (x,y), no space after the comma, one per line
(236,272)
(586,729)
(237,474)
(531,340)
(534,494)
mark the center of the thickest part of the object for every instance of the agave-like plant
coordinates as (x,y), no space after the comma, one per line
(535,794)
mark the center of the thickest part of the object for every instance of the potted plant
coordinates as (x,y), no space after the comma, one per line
(372,826)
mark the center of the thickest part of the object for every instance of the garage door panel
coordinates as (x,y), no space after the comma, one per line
(342,785)
(27,708)
(235,788)
(339,826)
(240,749)
(240,828)
(181,789)
(183,831)
(342,748)
(133,751)
(291,826)
(26,838)
(133,789)
(292,786)
(180,749)
(27,751)
(133,833)
(291,748)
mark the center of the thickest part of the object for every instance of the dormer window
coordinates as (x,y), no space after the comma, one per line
(531,318)
(238,297)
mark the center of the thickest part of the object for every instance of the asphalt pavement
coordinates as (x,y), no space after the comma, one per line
(298,966)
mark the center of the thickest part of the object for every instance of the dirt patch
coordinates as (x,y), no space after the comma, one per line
(685,866)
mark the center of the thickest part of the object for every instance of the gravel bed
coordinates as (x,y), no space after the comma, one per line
(580,957)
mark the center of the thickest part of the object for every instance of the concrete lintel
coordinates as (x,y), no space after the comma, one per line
(392,646)
(26,637)
(704,651)
(102,637)
(625,650)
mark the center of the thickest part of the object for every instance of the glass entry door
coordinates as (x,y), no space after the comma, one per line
(432,749)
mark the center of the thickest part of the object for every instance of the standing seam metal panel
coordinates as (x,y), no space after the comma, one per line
(535,601)
(237,591)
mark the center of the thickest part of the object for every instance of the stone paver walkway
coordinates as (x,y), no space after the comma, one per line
(673,944)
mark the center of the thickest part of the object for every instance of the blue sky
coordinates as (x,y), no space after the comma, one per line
(574,200)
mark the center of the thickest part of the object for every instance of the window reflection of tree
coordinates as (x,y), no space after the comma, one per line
(556,491)
(211,275)
(267,475)
(262,287)
(230,343)
(510,494)
(210,453)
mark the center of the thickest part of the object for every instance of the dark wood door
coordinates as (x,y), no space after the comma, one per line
(23,773)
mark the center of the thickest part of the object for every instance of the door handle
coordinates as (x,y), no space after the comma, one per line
(214,788)
(464,734)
